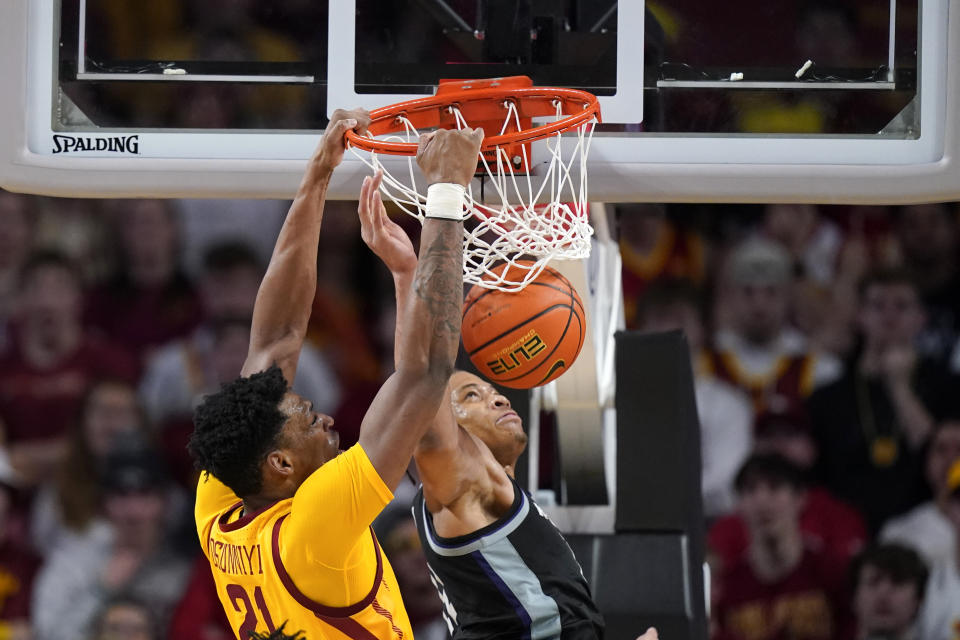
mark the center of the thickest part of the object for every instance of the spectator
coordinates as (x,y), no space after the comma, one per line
(929,242)
(18,566)
(182,372)
(125,618)
(207,223)
(872,424)
(828,268)
(78,228)
(149,300)
(889,582)
(780,587)
(826,523)
(16,234)
(128,555)
(940,613)
(70,503)
(759,352)
(47,367)
(397,532)
(926,527)
(812,241)
(725,412)
(199,614)
(653,248)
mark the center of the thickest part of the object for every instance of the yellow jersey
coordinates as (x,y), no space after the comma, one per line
(310,561)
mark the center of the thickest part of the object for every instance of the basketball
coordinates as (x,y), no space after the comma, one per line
(526,338)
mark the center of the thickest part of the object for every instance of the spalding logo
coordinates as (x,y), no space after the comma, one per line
(108,144)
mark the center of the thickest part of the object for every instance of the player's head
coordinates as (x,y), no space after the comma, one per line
(484,412)
(278,634)
(259,438)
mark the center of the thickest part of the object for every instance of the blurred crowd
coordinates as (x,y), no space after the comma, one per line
(825,343)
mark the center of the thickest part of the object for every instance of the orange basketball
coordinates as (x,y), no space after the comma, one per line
(527,338)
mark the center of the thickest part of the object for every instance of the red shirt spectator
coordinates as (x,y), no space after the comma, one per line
(780,587)
(149,301)
(653,249)
(37,403)
(825,522)
(47,366)
(800,605)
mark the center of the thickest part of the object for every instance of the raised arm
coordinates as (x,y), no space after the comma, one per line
(282,309)
(410,398)
(445,457)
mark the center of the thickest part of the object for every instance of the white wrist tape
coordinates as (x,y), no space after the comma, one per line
(445,200)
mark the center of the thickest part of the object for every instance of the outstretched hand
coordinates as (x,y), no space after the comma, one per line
(649,634)
(384,236)
(329,153)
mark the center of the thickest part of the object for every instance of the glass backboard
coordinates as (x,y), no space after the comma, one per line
(790,100)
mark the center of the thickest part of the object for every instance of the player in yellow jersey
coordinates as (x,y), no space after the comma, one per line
(284,517)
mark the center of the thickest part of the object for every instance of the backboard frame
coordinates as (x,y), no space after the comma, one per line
(658,168)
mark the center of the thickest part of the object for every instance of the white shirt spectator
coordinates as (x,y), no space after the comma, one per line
(206,222)
(68,593)
(759,361)
(174,383)
(940,614)
(925,529)
(726,419)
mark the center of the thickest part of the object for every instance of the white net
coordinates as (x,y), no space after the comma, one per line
(534,217)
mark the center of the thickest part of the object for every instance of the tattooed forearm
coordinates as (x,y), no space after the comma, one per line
(438,287)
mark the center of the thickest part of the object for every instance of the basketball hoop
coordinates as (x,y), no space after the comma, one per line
(539,211)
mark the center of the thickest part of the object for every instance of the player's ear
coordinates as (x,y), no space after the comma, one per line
(279,462)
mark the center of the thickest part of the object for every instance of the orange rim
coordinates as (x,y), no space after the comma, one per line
(479,105)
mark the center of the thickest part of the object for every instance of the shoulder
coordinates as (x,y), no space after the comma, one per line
(352,468)
(459,473)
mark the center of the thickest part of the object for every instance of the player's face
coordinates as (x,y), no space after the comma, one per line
(308,435)
(484,412)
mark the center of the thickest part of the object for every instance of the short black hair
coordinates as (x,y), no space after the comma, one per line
(771,468)
(235,428)
(898,562)
(278,634)
(49,259)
